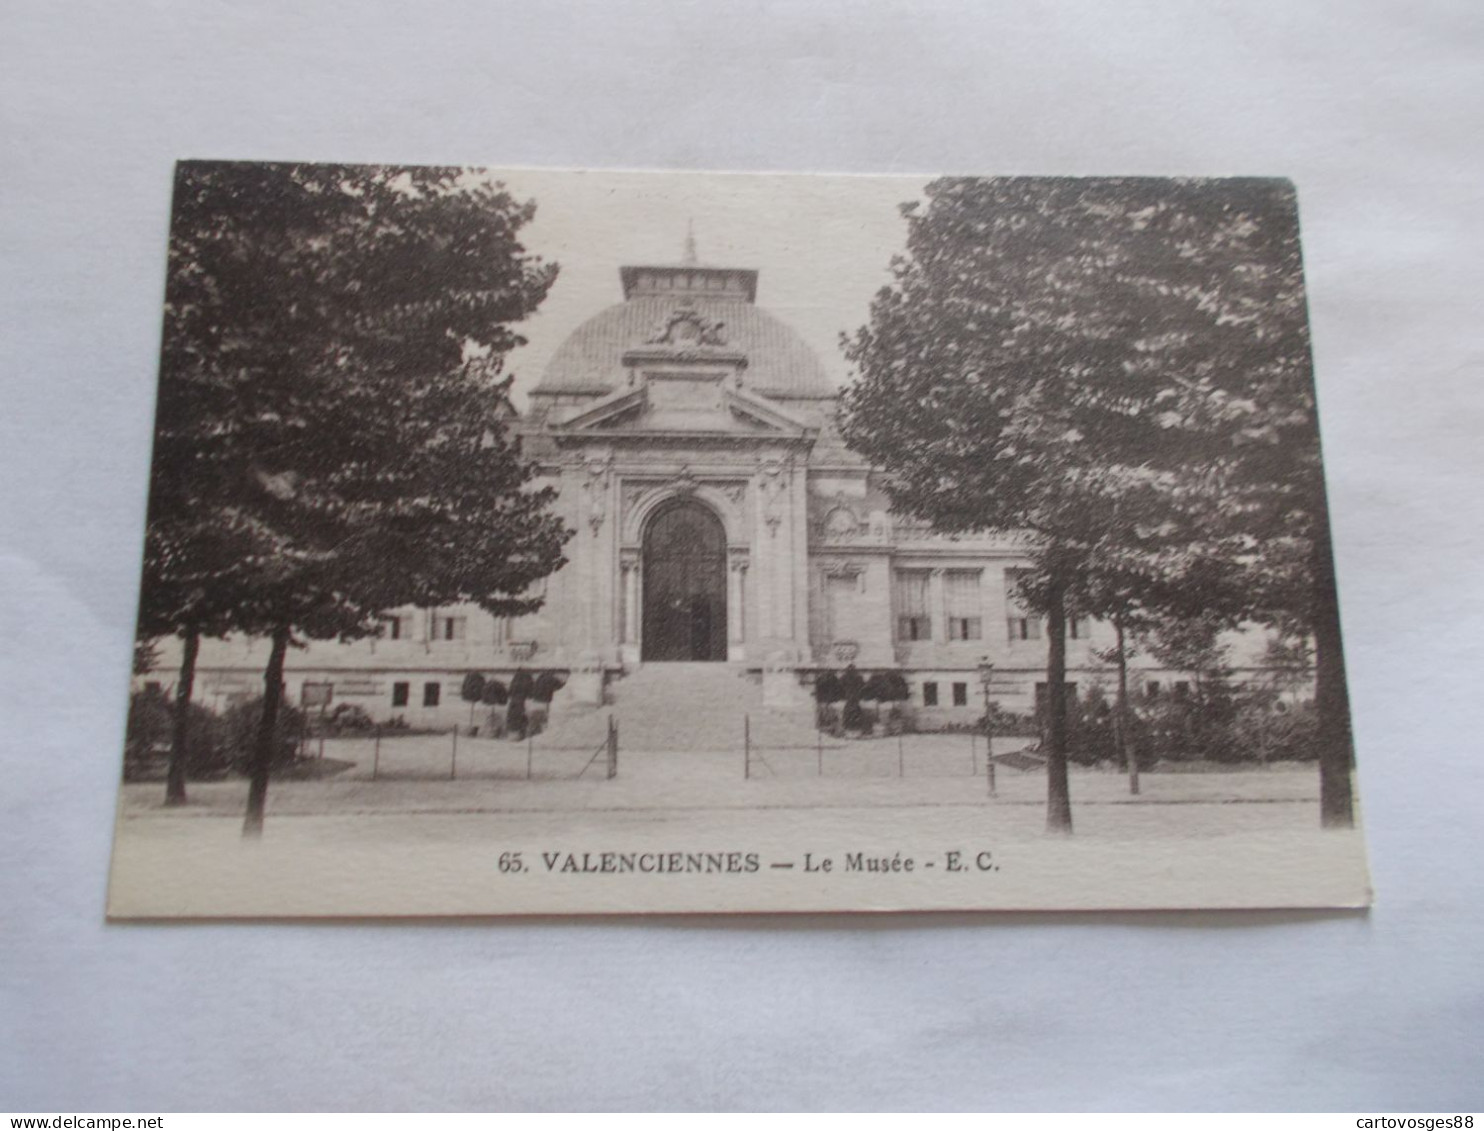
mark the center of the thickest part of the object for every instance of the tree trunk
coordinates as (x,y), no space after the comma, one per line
(1058,799)
(263,749)
(1120,712)
(1331,696)
(175,777)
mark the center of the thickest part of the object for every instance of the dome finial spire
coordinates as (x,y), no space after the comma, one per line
(689,258)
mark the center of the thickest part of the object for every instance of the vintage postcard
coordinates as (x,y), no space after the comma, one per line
(533,542)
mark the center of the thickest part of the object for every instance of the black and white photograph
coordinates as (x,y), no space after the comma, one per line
(823,555)
(536,541)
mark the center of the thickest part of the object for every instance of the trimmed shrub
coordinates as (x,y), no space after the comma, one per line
(521,684)
(472,689)
(827,688)
(516,718)
(546,685)
(496,694)
(348,718)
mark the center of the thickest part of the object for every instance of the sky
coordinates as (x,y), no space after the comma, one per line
(821,245)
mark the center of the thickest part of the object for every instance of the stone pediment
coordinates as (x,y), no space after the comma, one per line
(683,403)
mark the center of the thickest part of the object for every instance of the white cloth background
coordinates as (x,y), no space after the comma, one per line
(1374,109)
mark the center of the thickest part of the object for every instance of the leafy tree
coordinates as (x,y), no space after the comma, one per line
(517,719)
(146,656)
(471,691)
(852,690)
(330,441)
(545,686)
(1054,355)
(194,555)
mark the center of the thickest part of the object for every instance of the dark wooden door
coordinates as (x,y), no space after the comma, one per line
(685,585)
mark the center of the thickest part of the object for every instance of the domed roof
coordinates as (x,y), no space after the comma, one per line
(779,363)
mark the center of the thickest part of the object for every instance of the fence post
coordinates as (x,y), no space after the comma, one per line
(901,760)
(376,753)
(973,755)
(746,747)
(819,752)
(530,751)
(453,759)
(321,746)
(612,748)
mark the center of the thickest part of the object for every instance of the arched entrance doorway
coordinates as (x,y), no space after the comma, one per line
(685,584)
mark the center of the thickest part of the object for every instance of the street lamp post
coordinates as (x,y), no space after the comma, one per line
(986,674)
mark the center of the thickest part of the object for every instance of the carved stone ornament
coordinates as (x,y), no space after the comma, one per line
(685,482)
(687,327)
(773,477)
(629,494)
(599,470)
(839,524)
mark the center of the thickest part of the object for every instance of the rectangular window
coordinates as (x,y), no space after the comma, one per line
(397,627)
(1182,689)
(316,694)
(448,627)
(1024,625)
(1151,688)
(1079,628)
(401,692)
(431,692)
(930,694)
(960,694)
(913,621)
(1025,628)
(961,593)
(1041,695)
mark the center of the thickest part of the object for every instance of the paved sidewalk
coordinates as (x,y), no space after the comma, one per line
(670,780)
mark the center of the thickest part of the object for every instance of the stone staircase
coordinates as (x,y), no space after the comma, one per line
(685,707)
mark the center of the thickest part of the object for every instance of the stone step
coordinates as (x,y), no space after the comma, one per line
(685,707)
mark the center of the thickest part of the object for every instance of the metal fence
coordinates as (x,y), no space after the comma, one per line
(929,755)
(385,754)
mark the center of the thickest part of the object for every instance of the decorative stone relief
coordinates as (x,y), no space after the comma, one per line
(774,476)
(845,651)
(686,326)
(853,571)
(840,524)
(629,494)
(685,482)
(597,473)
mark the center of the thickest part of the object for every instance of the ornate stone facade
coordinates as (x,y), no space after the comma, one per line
(719,517)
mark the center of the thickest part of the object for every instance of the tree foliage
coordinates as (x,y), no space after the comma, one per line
(329,437)
(1118,371)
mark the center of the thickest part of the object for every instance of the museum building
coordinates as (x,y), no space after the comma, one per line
(719,519)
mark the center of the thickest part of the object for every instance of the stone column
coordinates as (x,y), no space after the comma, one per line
(736,606)
(799,563)
(764,550)
(629,608)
